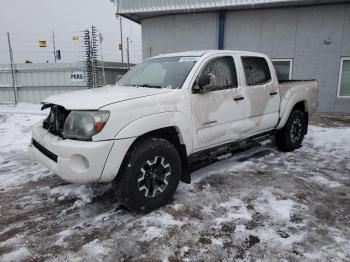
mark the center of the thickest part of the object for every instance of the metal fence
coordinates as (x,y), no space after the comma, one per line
(38,81)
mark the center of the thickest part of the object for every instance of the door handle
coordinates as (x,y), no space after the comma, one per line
(238,98)
(273,93)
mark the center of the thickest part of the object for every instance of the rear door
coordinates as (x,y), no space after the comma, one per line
(262,92)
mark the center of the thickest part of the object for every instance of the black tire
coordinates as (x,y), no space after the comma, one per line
(292,134)
(149,175)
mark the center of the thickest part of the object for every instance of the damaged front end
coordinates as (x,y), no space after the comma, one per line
(54,123)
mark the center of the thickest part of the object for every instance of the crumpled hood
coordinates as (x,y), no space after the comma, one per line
(94,99)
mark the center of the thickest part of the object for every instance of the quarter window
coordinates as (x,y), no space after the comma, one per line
(256,70)
(344,79)
(222,73)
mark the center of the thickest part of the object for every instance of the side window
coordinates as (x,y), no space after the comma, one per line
(222,73)
(256,70)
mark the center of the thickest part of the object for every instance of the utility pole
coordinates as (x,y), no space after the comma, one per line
(115,2)
(54,45)
(103,64)
(13,71)
(94,56)
(128,53)
(121,37)
(88,62)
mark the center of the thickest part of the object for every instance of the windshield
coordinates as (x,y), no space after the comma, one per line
(165,72)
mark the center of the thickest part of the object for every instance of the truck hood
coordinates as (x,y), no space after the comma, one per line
(94,99)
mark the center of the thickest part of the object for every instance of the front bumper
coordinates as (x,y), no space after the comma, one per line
(74,161)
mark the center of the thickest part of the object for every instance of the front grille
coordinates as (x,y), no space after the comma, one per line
(44,151)
(54,123)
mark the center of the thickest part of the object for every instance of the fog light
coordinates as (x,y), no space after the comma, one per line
(79,163)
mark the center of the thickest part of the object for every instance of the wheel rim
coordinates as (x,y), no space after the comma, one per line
(296,130)
(154,174)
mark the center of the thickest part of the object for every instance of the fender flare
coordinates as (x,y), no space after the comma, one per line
(289,107)
(156,121)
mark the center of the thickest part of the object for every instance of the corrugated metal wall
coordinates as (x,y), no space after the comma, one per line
(315,38)
(137,6)
(38,81)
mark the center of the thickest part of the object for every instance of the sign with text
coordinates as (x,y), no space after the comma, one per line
(77,77)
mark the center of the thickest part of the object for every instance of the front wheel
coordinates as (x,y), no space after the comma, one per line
(292,134)
(149,176)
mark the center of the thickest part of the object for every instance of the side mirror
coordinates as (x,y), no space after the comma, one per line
(201,83)
(118,78)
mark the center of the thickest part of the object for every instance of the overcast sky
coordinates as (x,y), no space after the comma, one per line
(31,21)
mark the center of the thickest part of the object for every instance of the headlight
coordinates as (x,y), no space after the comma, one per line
(83,125)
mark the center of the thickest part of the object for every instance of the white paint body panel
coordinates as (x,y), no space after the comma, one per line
(136,111)
(94,99)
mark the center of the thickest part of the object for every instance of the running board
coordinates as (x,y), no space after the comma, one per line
(208,156)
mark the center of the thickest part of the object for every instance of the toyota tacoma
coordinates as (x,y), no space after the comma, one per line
(164,115)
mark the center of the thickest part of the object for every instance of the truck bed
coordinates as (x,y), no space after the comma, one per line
(293,87)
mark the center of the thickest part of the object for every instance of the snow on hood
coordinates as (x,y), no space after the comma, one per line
(93,99)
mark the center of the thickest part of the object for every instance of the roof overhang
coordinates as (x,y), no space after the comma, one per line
(137,10)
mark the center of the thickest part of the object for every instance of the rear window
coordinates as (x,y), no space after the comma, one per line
(256,70)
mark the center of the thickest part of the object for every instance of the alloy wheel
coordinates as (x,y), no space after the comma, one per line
(154,175)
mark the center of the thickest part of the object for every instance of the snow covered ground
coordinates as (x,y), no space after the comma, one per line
(258,204)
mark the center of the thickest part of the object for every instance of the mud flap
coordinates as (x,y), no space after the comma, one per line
(185,176)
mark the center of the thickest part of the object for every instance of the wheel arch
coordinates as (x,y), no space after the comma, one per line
(172,135)
(301,105)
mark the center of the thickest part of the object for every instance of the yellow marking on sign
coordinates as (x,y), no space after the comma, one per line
(42,44)
(120,46)
(75,38)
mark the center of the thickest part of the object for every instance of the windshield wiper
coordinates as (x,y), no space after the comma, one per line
(148,85)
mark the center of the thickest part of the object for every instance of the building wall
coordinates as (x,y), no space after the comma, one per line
(176,33)
(315,37)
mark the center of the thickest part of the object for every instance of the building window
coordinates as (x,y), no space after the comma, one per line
(283,68)
(344,78)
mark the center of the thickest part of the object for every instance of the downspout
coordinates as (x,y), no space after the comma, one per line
(221,30)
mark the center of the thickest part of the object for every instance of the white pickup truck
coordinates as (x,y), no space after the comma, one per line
(164,115)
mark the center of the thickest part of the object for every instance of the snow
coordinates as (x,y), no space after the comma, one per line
(23,108)
(62,235)
(217,242)
(83,193)
(260,204)
(332,140)
(235,209)
(279,209)
(162,219)
(20,254)
(95,249)
(322,181)
(151,233)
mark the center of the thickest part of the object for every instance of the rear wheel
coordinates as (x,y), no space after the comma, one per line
(292,134)
(149,175)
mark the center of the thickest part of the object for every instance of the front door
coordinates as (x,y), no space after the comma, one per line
(216,112)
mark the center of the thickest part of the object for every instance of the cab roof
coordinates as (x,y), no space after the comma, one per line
(209,52)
